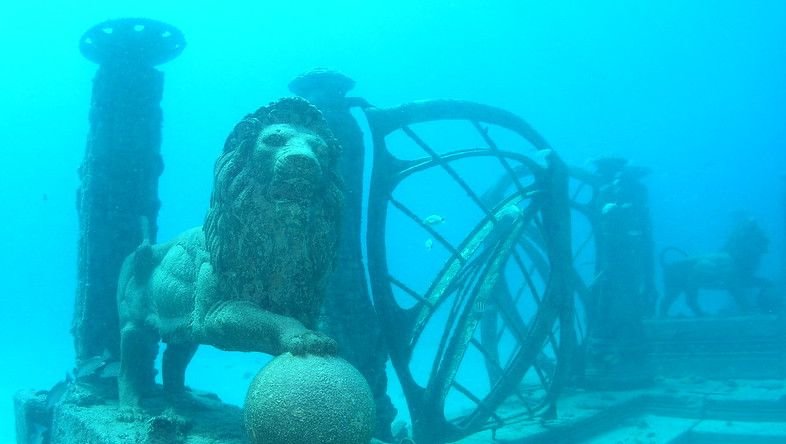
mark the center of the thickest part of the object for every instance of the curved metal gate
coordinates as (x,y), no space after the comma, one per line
(484,313)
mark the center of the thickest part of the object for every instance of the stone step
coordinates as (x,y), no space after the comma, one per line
(653,429)
(734,432)
(646,429)
(732,347)
(673,411)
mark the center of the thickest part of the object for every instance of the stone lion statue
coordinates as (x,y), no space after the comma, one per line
(732,269)
(251,278)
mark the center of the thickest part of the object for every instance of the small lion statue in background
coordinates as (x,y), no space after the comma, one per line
(251,278)
(733,269)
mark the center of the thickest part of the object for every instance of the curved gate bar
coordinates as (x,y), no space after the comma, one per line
(385,121)
(582,285)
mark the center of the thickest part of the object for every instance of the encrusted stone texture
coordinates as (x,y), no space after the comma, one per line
(252,278)
(87,415)
(32,415)
(309,399)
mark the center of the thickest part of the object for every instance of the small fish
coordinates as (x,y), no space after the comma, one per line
(534,193)
(101,366)
(56,393)
(544,154)
(110,370)
(511,210)
(608,208)
(429,244)
(90,367)
(434,219)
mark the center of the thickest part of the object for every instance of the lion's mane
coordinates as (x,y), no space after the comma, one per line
(275,254)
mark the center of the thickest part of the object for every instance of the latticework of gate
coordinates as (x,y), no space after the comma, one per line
(470,260)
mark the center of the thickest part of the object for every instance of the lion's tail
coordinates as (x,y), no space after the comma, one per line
(145,228)
(665,252)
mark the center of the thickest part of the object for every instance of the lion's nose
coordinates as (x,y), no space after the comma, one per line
(296,176)
(298,164)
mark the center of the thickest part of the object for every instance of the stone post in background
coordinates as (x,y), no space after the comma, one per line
(624,292)
(781,288)
(117,199)
(348,313)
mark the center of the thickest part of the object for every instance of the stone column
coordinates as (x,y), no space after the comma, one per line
(783,239)
(624,292)
(117,199)
(348,313)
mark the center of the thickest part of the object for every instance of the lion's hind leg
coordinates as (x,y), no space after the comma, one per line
(692,300)
(138,350)
(670,295)
(176,359)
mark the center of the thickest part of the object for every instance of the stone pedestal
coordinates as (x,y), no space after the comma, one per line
(89,414)
(32,416)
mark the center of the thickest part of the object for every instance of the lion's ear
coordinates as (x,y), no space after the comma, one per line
(244,133)
(246,147)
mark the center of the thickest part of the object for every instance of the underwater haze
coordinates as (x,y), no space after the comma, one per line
(695,91)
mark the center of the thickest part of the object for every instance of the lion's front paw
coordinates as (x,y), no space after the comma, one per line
(309,342)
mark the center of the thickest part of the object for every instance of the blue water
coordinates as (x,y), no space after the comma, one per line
(694,91)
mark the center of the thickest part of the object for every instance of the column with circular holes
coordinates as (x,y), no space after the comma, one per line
(624,294)
(117,199)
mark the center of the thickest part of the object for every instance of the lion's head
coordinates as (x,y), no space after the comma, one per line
(746,245)
(272,225)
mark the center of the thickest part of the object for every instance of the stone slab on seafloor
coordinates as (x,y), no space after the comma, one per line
(686,410)
(85,415)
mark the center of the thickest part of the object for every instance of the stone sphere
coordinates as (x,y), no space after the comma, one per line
(309,399)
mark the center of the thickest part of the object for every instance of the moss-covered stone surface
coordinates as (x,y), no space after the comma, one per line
(309,399)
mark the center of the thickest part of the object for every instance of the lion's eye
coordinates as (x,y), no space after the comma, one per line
(318,146)
(274,140)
